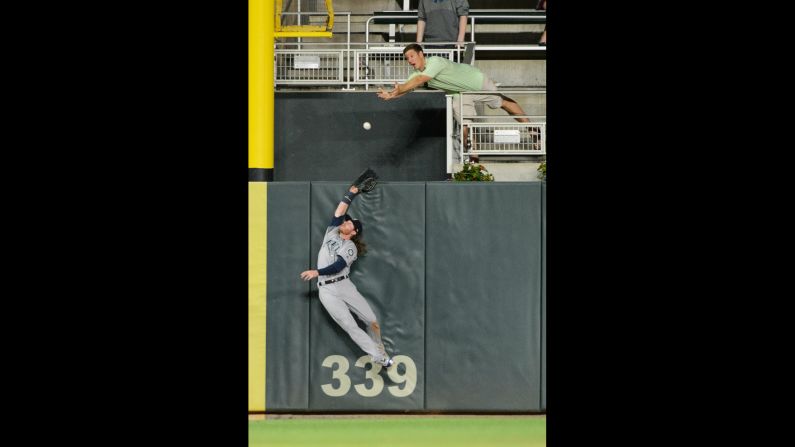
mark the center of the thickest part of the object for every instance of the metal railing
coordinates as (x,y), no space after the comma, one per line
(510,19)
(494,134)
(309,16)
(382,63)
(473,17)
(347,66)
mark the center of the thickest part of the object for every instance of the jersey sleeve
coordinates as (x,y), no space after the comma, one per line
(336,221)
(348,252)
(461,7)
(331,269)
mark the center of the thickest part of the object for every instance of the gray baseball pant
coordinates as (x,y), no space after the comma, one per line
(340,299)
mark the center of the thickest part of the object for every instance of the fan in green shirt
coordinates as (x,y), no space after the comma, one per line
(453,78)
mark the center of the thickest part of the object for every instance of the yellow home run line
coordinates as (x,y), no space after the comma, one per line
(260,152)
(257,292)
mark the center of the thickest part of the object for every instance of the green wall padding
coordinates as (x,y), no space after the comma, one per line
(392,279)
(287,340)
(453,271)
(483,293)
(544,296)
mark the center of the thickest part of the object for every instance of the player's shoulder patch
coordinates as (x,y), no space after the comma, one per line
(349,249)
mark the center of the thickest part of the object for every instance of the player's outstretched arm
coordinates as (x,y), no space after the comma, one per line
(331,269)
(346,201)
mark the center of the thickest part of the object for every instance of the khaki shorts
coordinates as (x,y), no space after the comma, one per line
(493,101)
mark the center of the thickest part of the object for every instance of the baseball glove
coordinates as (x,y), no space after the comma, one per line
(366,180)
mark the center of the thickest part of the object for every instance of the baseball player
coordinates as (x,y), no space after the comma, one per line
(341,246)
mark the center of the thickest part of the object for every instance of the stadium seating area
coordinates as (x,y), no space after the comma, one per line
(505,47)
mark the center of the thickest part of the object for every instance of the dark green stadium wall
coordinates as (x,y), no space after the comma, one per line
(322,138)
(484,296)
(457,288)
(288,298)
(544,296)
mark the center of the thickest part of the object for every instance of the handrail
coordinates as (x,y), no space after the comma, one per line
(512,91)
(529,19)
(348,30)
(503,120)
(383,54)
(325,30)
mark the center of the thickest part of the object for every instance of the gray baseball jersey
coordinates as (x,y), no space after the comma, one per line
(333,245)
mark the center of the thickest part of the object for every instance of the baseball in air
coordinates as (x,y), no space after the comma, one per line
(366,125)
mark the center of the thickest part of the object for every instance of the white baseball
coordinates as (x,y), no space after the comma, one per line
(367,125)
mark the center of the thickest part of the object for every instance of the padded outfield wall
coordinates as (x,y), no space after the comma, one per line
(454,271)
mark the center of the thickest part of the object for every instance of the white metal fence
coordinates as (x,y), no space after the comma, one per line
(505,139)
(492,134)
(310,67)
(387,65)
(347,66)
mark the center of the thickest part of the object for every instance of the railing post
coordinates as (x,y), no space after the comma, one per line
(449,133)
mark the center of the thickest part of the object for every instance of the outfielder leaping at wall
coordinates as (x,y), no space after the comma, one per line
(341,246)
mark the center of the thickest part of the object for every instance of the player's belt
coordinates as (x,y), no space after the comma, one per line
(329,281)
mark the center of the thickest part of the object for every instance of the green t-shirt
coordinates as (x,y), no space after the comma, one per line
(450,76)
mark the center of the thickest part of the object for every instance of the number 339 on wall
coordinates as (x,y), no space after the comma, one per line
(408,379)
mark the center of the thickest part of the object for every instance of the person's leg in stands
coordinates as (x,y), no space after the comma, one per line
(469,109)
(513,108)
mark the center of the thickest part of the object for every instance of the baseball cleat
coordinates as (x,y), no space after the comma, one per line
(388,362)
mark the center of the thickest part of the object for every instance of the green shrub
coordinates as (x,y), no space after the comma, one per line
(473,172)
(542,170)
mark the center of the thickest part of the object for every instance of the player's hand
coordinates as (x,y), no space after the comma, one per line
(309,274)
(354,189)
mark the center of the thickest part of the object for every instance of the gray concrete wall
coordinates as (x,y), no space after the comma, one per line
(515,73)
